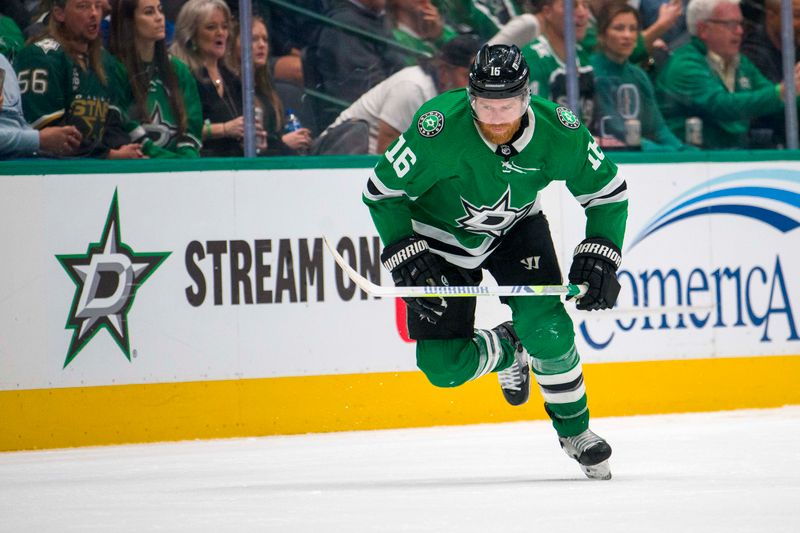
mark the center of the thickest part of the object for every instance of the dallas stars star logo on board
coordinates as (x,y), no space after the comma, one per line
(495,219)
(106,279)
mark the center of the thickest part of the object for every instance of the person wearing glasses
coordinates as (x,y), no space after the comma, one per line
(710,79)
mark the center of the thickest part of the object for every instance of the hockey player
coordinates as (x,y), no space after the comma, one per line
(458,192)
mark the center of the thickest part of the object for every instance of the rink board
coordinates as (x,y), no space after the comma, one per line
(168,301)
(51,418)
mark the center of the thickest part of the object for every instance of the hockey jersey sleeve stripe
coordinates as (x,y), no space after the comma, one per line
(617,195)
(375,190)
(610,187)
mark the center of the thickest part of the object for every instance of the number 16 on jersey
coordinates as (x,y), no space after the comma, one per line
(401,163)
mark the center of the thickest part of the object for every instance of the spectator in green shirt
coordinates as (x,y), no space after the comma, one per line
(624,91)
(419,25)
(709,78)
(11,38)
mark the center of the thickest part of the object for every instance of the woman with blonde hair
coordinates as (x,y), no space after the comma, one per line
(202,37)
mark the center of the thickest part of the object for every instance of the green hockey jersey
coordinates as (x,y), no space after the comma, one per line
(57,91)
(159,131)
(443,180)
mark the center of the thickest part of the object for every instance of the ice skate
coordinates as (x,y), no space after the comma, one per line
(515,381)
(591,452)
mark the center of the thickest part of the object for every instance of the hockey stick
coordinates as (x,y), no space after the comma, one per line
(462,290)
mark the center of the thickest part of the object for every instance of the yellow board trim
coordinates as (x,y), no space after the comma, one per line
(82,416)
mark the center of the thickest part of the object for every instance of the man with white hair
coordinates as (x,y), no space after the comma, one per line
(709,78)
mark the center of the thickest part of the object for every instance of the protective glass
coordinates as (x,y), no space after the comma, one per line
(499,110)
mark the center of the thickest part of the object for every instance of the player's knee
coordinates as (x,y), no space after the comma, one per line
(545,335)
(446,363)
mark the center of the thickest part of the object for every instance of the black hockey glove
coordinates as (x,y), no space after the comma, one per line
(595,263)
(412,264)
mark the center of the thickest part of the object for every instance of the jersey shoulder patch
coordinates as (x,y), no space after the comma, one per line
(567,118)
(430,124)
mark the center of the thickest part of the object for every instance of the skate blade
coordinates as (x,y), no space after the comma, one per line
(599,471)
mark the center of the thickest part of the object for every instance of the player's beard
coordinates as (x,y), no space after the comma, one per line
(499,133)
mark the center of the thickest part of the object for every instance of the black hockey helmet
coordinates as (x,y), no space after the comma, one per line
(499,71)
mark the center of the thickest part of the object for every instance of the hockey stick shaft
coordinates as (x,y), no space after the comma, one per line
(465,291)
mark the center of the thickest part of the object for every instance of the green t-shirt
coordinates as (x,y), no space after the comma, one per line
(441,179)
(407,38)
(11,38)
(484,17)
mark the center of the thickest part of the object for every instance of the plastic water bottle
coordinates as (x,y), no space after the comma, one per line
(293,124)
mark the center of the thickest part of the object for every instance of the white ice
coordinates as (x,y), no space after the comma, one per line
(736,471)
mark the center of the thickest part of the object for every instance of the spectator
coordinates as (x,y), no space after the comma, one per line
(290,33)
(389,106)
(17,137)
(163,95)
(709,78)
(668,17)
(482,17)
(268,100)
(17,11)
(11,38)
(624,91)
(648,42)
(202,33)
(519,31)
(418,25)
(64,80)
(763,47)
(348,64)
(545,57)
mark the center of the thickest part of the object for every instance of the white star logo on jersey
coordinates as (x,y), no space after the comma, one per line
(48,45)
(159,130)
(494,220)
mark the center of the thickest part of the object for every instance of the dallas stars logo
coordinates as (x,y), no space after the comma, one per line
(495,219)
(430,124)
(106,279)
(567,118)
(159,129)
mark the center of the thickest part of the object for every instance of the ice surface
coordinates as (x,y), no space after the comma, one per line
(736,471)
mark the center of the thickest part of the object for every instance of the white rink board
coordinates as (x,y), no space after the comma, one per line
(744,225)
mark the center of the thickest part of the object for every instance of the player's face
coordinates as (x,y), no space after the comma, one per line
(619,39)
(149,20)
(212,35)
(260,44)
(499,111)
(81,18)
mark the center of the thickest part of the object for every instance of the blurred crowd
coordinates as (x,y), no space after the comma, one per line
(132,79)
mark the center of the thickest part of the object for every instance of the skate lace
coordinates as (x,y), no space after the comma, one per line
(584,441)
(511,378)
